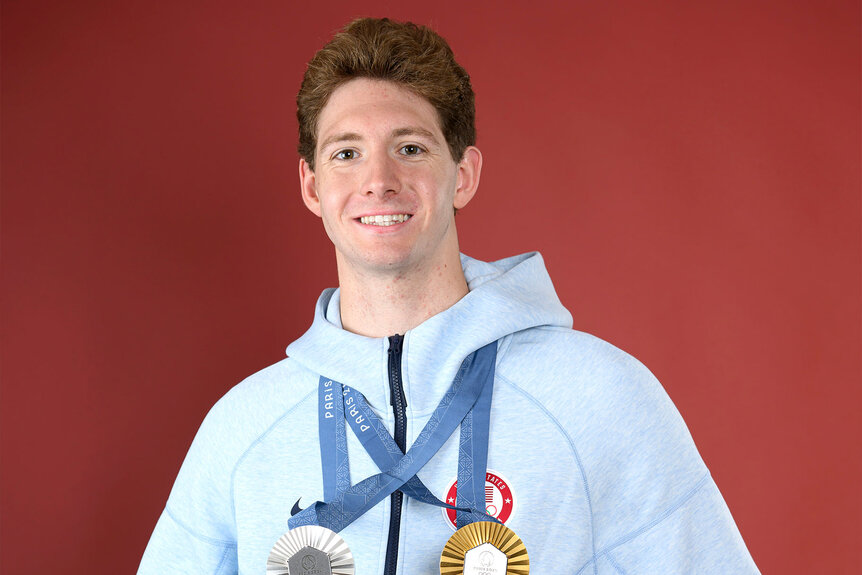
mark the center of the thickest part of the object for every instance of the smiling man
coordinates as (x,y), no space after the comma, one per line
(433,392)
(386,184)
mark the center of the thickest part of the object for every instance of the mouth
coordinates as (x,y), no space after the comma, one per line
(385,220)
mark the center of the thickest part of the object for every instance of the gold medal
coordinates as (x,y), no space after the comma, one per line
(484,548)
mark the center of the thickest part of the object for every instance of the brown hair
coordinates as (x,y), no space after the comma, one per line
(413,56)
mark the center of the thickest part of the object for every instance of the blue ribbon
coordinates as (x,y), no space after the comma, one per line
(467,402)
(379,444)
(336,465)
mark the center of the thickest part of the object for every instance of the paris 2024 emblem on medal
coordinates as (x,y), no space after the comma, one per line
(484,548)
(310,550)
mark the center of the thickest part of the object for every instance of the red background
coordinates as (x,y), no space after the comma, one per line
(690,171)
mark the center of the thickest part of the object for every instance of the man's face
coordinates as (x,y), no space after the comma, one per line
(384,182)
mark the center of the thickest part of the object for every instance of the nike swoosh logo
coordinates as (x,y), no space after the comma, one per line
(296,508)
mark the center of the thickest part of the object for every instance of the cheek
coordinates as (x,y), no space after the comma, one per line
(332,191)
(443,188)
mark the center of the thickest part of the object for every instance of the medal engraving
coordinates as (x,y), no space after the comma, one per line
(310,550)
(485,560)
(309,561)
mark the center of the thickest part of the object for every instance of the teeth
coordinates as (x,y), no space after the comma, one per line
(387,220)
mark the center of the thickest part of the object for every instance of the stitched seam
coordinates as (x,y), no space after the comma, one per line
(615,565)
(486,277)
(222,561)
(577,460)
(203,538)
(661,517)
(256,442)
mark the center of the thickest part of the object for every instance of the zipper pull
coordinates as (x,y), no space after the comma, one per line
(395,344)
(396,389)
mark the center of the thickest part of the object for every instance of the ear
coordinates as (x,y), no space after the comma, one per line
(308,185)
(469,170)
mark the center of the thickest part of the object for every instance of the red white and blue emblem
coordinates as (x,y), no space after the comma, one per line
(499,499)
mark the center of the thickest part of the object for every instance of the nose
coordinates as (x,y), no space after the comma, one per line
(382,177)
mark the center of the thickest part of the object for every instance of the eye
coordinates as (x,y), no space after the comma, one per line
(411,150)
(345,155)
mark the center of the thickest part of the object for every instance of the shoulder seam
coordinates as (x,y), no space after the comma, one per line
(203,538)
(256,442)
(575,453)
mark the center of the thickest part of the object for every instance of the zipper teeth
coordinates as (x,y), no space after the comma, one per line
(398,403)
(394,535)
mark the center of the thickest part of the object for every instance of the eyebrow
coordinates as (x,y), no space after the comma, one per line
(342,137)
(414,131)
(397,133)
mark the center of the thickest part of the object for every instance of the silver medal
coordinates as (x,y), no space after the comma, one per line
(310,550)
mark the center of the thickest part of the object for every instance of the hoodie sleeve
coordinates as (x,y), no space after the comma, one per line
(175,549)
(697,535)
(653,505)
(196,531)
(656,508)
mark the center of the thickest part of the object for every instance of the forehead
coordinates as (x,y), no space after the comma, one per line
(369,104)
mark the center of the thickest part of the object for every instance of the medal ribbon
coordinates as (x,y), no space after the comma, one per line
(336,465)
(473,381)
(473,461)
(385,452)
(379,444)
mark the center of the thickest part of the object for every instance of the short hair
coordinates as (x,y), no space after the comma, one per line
(415,57)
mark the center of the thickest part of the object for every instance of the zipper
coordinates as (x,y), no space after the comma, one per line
(398,402)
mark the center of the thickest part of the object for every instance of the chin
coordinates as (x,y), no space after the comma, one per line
(379,260)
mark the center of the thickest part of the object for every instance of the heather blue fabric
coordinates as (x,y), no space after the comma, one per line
(604,475)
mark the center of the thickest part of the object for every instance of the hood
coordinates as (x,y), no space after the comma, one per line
(505,297)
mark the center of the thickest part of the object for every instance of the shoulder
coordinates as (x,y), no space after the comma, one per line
(610,405)
(253,405)
(584,366)
(636,455)
(202,494)
(652,500)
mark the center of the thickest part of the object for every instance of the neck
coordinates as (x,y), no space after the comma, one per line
(378,305)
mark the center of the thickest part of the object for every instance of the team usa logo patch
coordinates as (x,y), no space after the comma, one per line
(499,499)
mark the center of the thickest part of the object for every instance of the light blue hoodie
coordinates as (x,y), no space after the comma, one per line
(600,470)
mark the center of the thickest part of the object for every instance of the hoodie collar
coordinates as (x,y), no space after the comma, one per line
(505,296)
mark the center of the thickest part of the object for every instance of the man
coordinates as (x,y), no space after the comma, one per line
(582,454)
